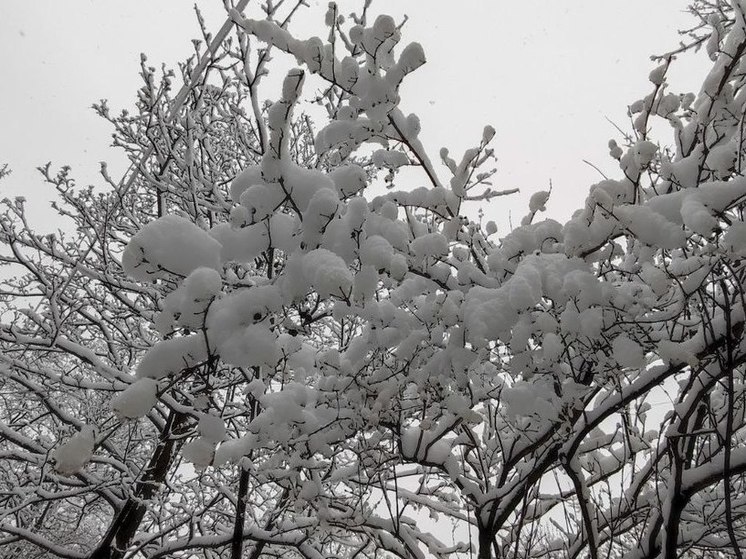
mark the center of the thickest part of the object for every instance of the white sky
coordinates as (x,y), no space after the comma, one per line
(545,73)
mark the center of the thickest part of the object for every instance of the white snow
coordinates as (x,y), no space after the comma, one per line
(366,281)
(233,450)
(526,399)
(627,352)
(538,201)
(253,346)
(170,244)
(200,452)
(136,400)
(170,357)
(242,244)
(72,456)
(658,74)
(650,227)
(212,428)
(191,300)
(327,273)
(349,179)
(644,152)
(260,201)
(377,252)
(696,216)
(389,159)
(552,346)
(734,239)
(432,245)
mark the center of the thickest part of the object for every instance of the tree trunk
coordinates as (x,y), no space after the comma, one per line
(485,543)
(125,525)
(243,488)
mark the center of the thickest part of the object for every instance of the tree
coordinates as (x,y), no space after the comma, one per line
(241,351)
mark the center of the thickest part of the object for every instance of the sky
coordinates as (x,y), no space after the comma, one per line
(548,75)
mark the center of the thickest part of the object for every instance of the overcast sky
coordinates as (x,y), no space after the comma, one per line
(545,73)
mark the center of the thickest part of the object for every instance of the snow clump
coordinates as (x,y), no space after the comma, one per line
(71,457)
(327,273)
(169,244)
(136,400)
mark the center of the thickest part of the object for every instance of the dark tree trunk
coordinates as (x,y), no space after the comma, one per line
(485,543)
(126,523)
(243,488)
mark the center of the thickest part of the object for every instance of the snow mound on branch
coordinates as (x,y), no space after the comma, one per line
(72,456)
(172,356)
(627,353)
(553,346)
(644,151)
(388,227)
(261,189)
(235,328)
(650,227)
(169,244)
(366,282)
(697,217)
(538,201)
(527,399)
(249,177)
(253,346)
(347,135)
(526,239)
(693,207)
(260,201)
(136,400)
(429,245)
(377,252)
(321,211)
(349,179)
(419,444)
(260,197)
(302,183)
(390,159)
(735,238)
(212,428)
(200,452)
(659,221)
(295,408)
(201,284)
(677,353)
(491,313)
(327,273)
(191,300)
(524,289)
(240,309)
(243,244)
(234,449)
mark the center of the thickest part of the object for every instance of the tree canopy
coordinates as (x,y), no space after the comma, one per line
(287,330)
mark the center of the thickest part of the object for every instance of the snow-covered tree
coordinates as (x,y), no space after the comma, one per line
(269,338)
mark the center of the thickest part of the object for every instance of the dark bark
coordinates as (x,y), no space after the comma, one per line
(237,541)
(126,523)
(485,543)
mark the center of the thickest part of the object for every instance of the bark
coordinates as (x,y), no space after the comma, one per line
(485,543)
(237,541)
(126,523)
